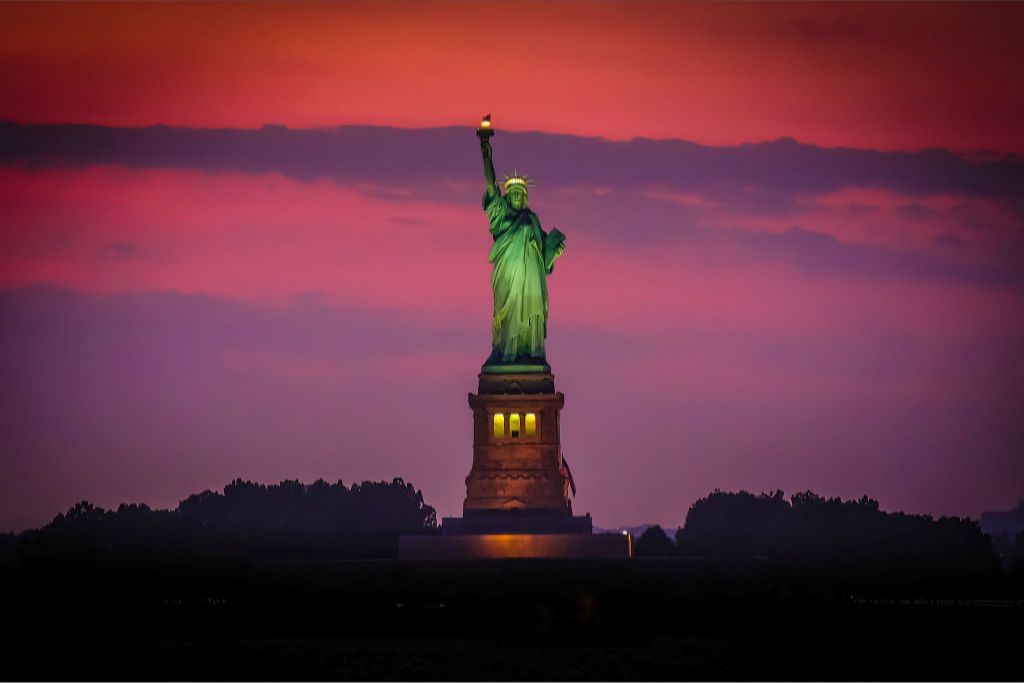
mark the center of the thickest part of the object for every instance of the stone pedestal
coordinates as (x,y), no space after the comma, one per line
(517,455)
(518,502)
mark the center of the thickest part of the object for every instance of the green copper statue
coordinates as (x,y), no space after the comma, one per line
(523,256)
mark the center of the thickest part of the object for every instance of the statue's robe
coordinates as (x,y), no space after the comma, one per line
(523,256)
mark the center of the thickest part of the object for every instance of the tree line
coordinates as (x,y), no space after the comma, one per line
(808,530)
(246,522)
(291,521)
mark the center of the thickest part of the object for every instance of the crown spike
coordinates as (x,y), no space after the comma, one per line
(519,179)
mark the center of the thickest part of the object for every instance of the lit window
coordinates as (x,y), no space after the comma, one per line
(499,425)
(513,425)
(531,424)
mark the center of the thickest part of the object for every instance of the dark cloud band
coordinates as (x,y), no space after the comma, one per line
(418,157)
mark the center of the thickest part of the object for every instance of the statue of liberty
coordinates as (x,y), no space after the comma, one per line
(523,256)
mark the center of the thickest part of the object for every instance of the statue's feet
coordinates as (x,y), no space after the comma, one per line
(497,363)
(497,358)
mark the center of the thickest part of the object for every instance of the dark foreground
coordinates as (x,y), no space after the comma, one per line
(639,619)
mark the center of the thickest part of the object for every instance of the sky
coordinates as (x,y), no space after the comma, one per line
(245,240)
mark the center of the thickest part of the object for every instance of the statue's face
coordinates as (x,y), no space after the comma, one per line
(517,198)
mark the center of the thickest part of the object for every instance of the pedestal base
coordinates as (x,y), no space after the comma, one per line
(516,522)
(514,546)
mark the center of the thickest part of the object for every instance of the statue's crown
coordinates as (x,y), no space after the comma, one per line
(520,180)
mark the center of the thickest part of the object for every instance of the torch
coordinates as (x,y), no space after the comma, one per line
(485,132)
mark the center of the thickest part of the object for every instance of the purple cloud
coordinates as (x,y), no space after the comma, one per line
(769,171)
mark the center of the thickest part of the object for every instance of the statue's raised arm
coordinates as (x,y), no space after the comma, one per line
(489,175)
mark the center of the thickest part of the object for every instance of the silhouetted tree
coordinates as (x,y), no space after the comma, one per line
(654,542)
(247,522)
(853,537)
(741,523)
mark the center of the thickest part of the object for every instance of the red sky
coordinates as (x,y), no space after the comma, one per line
(879,75)
(181,311)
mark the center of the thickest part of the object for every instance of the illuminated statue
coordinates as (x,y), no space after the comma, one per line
(523,256)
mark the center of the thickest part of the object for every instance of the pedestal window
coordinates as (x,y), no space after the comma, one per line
(514,425)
